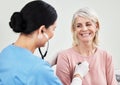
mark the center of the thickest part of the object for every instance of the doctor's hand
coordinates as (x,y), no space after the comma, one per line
(81,69)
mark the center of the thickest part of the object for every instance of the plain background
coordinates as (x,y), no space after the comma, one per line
(107,10)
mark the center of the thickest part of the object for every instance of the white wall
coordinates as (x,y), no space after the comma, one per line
(108,11)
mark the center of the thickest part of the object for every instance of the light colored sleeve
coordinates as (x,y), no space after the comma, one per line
(63,69)
(111,79)
(76,81)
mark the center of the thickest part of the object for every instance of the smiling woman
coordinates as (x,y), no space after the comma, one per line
(85,28)
(85,24)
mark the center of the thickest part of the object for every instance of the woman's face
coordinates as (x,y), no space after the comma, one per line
(45,35)
(50,30)
(85,29)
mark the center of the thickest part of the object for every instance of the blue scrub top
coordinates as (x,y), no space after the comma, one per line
(18,66)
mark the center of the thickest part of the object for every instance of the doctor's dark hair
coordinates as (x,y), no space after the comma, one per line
(32,16)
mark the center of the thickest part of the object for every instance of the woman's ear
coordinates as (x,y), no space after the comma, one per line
(42,29)
(97,25)
(41,32)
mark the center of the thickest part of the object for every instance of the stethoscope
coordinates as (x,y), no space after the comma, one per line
(43,55)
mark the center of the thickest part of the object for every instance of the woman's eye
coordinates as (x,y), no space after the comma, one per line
(89,24)
(79,26)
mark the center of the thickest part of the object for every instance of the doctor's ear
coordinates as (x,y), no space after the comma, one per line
(42,31)
(42,28)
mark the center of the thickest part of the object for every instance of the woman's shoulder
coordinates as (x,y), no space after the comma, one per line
(103,52)
(66,51)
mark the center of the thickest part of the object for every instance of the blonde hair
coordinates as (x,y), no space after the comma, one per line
(87,13)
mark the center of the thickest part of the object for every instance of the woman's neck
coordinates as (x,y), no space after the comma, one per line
(85,49)
(26,42)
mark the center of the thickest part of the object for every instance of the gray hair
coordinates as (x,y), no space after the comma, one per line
(87,13)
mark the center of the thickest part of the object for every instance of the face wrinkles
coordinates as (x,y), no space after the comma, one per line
(85,29)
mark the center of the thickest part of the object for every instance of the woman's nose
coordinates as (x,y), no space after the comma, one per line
(84,28)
